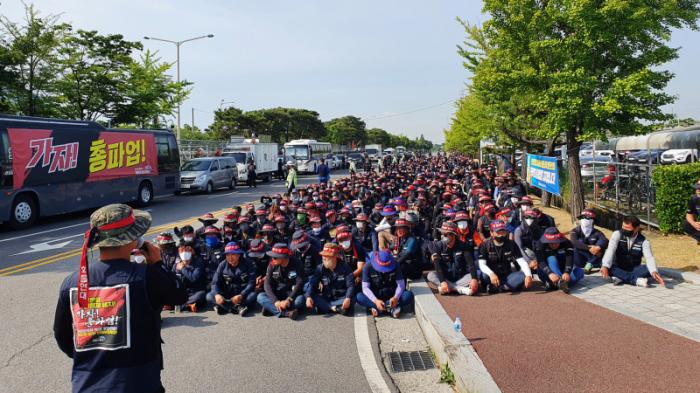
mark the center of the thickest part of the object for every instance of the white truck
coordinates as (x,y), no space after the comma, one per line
(264,156)
(374,151)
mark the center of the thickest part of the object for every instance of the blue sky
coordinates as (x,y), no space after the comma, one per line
(373,59)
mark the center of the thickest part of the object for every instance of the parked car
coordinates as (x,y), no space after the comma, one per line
(600,164)
(337,162)
(589,153)
(208,173)
(358,158)
(642,157)
(679,156)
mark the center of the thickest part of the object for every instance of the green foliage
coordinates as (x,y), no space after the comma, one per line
(674,186)
(282,124)
(446,375)
(194,134)
(346,131)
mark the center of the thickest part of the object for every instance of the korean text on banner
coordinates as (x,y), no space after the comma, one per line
(543,173)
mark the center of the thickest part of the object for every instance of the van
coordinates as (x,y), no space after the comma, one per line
(209,173)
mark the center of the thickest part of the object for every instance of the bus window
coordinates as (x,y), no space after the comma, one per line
(5,165)
(174,150)
(168,160)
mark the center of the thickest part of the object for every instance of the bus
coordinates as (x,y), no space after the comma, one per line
(51,166)
(306,153)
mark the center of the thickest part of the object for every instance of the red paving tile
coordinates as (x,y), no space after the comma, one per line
(551,342)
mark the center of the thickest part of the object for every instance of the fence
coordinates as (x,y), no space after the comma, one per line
(622,188)
(191,148)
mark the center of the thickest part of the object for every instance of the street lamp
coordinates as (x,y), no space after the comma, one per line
(177,44)
(226,102)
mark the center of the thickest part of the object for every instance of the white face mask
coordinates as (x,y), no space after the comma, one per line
(586,224)
(462,225)
(529,221)
(283,208)
(514,200)
(185,256)
(360,225)
(445,239)
(137,259)
(524,208)
(345,244)
(188,239)
(316,230)
(315,199)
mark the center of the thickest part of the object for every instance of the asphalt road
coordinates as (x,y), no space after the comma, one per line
(203,351)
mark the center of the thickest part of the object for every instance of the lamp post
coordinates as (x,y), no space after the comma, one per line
(225,102)
(177,62)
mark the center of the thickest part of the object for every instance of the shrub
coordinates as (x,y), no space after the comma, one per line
(674,186)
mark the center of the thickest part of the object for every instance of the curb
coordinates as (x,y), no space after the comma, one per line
(689,277)
(449,346)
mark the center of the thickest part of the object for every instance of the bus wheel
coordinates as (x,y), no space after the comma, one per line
(24,212)
(210,188)
(145,195)
(233,184)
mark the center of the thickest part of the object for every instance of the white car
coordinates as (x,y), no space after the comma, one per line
(679,156)
(598,153)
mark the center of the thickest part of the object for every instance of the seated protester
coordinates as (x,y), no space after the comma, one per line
(405,249)
(331,222)
(233,286)
(317,231)
(282,233)
(544,220)
(213,252)
(302,220)
(623,258)
(345,217)
(464,232)
(284,282)
(455,270)
(364,233)
(260,219)
(168,250)
(286,212)
(305,250)
(227,235)
(331,286)
(375,217)
(589,243)
(691,225)
(383,286)
(484,222)
(231,220)
(524,204)
(506,215)
(257,254)
(191,274)
(186,235)
(245,233)
(351,252)
(207,220)
(555,256)
(384,228)
(502,266)
(526,237)
(267,234)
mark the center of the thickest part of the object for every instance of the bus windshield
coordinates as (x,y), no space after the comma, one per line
(196,165)
(299,152)
(371,151)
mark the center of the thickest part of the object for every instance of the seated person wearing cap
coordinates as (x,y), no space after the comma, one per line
(233,286)
(455,270)
(305,250)
(502,266)
(284,282)
(244,233)
(351,252)
(589,243)
(555,256)
(526,236)
(168,250)
(405,248)
(213,252)
(207,220)
(191,273)
(383,286)
(691,225)
(257,254)
(364,233)
(331,286)
(623,258)
(384,228)
(318,231)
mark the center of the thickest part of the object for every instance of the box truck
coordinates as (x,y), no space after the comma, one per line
(264,155)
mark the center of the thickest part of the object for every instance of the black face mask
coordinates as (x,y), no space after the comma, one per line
(627,233)
(501,238)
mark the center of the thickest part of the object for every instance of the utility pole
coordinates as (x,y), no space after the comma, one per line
(192,119)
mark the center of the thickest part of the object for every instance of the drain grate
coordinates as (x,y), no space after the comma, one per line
(411,361)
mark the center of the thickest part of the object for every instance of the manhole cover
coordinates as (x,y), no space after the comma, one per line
(411,361)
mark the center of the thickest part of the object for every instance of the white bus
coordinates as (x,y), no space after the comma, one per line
(306,153)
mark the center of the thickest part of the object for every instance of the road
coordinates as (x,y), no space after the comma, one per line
(204,351)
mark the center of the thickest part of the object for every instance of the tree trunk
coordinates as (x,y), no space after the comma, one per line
(523,168)
(576,203)
(547,197)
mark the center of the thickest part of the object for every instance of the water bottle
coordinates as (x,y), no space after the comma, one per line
(457,325)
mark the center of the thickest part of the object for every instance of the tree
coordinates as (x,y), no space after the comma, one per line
(94,74)
(586,69)
(149,93)
(346,130)
(188,133)
(378,136)
(28,59)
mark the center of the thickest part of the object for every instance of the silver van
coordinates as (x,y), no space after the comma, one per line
(208,173)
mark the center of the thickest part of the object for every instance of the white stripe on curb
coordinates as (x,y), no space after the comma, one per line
(367,360)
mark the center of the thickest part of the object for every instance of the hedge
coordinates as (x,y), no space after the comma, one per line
(674,186)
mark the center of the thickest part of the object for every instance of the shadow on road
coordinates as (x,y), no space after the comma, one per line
(187,320)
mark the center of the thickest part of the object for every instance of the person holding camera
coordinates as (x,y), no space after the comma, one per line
(122,351)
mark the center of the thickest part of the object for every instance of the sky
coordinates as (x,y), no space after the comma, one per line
(392,63)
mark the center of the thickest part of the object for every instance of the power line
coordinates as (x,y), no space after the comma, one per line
(412,111)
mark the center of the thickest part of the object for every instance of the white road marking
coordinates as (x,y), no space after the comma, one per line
(222,195)
(367,360)
(46,231)
(45,246)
